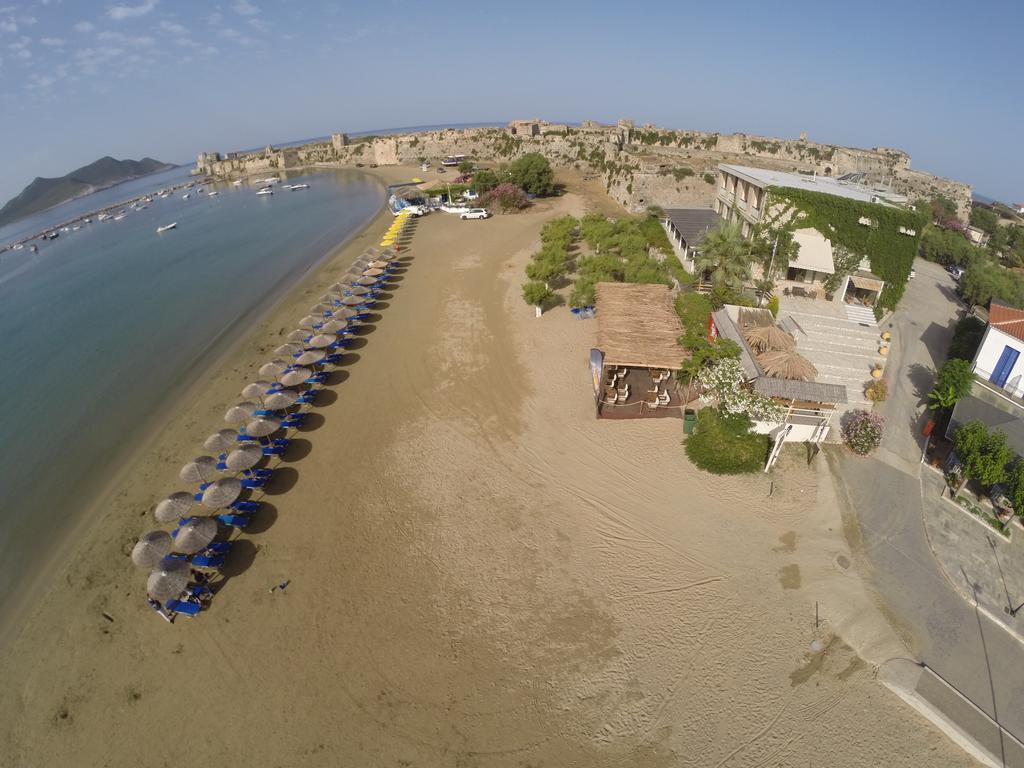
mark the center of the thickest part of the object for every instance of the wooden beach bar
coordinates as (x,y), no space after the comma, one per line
(637,338)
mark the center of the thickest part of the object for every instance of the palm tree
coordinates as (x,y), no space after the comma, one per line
(724,254)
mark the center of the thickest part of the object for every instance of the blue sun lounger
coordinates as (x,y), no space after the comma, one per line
(240,505)
(183,607)
(207,561)
(236,521)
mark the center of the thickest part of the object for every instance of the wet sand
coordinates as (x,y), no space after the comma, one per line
(481,573)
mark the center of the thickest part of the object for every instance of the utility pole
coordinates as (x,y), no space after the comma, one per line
(768,274)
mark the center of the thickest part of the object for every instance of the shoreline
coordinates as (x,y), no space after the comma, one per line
(239,352)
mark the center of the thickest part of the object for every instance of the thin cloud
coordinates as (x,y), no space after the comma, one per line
(28,21)
(122,12)
(245,8)
(135,41)
(84,26)
(173,28)
(53,42)
(8,25)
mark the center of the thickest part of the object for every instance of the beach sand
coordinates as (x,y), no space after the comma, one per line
(481,574)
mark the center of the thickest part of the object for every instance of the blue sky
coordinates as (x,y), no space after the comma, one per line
(169,78)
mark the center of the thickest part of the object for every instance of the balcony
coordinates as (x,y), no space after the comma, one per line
(986,389)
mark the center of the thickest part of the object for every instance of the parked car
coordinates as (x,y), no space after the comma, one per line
(441,170)
(476,213)
(956,272)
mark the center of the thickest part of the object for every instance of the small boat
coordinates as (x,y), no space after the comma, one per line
(265,191)
(165,227)
(271,180)
(103,217)
(294,187)
(236,183)
(120,216)
(214,193)
(17,246)
(75,228)
(147,199)
(65,229)
(87,221)
(185,196)
(51,235)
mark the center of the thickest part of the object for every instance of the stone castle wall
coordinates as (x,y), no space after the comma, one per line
(641,166)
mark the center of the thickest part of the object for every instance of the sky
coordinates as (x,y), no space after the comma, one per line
(170,78)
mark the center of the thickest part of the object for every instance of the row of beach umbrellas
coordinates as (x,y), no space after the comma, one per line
(396,230)
(263,412)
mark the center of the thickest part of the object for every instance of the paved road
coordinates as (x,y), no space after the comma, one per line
(944,630)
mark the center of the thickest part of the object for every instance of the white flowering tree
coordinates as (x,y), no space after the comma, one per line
(723,382)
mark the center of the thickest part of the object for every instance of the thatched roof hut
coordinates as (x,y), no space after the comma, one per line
(765,338)
(637,326)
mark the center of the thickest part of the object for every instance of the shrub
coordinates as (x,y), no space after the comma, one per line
(533,173)
(966,338)
(536,294)
(876,390)
(983,454)
(862,431)
(773,306)
(1015,486)
(955,376)
(724,445)
(508,197)
(484,181)
(723,381)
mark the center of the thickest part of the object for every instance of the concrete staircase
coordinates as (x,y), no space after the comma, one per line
(843,351)
(860,314)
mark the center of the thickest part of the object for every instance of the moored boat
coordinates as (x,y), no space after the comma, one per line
(295,187)
(166,227)
(212,194)
(265,191)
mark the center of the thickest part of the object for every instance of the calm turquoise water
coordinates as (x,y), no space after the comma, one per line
(104,325)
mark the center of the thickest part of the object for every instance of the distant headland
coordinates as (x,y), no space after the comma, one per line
(640,165)
(105,172)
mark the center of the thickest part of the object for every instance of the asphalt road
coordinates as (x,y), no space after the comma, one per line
(883,495)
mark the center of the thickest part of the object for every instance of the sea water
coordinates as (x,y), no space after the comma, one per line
(103,325)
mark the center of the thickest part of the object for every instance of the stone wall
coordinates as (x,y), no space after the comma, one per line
(641,166)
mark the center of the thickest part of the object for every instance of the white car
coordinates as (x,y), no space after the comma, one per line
(476,213)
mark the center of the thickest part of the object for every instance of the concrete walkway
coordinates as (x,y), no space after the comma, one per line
(980,564)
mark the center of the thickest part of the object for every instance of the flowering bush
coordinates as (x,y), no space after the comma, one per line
(876,390)
(506,196)
(862,431)
(724,382)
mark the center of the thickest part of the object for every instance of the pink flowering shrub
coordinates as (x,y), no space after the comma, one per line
(862,431)
(507,197)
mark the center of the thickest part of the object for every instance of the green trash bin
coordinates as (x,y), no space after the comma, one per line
(689,420)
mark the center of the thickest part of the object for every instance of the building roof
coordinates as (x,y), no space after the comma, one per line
(815,252)
(790,389)
(994,412)
(1006,319)
(637,326)
(727,329)
(693,224)
(764,177)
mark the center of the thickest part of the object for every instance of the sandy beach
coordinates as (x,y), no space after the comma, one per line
(481,574)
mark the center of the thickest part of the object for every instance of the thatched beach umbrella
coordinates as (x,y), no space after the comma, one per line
(221,440)
(359,290)
(168,580)
(768,337)
(241,413)
(321,340)
(296,376)
(787,364)
(322,308)
(380,264)
(175,506)
(195,535)
(281,399)
(299,335)
(244,457)
(222,492)
(257,389)
(289,349)
(345,314)
(310,321)
(273,369)
(352,301)
(333,326)
(263,426)
(373,272)
(366,281)
(199,469)
(151,548)
(310,357)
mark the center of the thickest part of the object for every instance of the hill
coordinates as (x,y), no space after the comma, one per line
(46,193)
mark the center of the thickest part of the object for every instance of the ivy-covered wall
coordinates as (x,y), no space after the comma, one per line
(891,253)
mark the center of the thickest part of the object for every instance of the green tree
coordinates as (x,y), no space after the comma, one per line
(984,219)
(484,181)
(466,166)
(547,268)
(1015,486)
(943,210)
(983,454)
(725,256)
(536,294)
(533,173)
(967,337)
(955,376)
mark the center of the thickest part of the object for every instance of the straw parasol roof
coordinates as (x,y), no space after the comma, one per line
(174,506)
(195,535)
(637,326)
(151,548)
(169,580)
(787,364)
(765,338)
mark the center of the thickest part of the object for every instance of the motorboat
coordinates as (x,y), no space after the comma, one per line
(294,187)
(75,228)
(120,216)
(185,196)
(212,194)
(165,227)
(51,235)
(236,183)
(265,191)
(17,246)
(87,221)
(103,217)
(271,180)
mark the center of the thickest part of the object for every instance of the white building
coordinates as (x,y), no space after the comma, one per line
(1000,358)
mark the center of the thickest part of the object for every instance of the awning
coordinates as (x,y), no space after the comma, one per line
(867,281)
(815,252)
